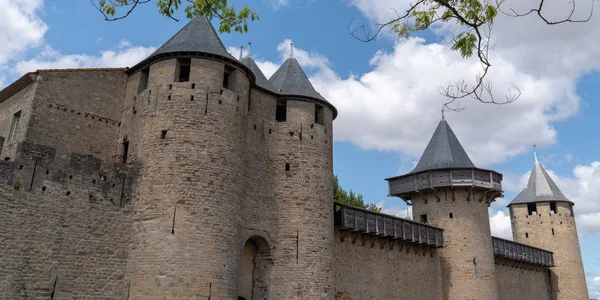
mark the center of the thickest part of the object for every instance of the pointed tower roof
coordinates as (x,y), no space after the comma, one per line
(445,164)
(444,151)
(261,79)
(540,188)
(290,79)
(196,38)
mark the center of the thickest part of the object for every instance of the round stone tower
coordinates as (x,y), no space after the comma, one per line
(542,216)
(446,190)
(183,127)
(233,199)
(304,187)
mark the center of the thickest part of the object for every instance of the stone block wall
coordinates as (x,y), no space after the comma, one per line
(467,260)
(385,271)
(523,282)
(63,238)
(77,111)
(19,102)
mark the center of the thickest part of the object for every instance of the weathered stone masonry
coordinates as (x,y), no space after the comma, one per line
(192,176)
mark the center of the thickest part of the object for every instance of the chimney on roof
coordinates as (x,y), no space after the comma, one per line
(292,50)
(249,52)
(241,52)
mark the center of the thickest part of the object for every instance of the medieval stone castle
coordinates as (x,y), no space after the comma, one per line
(192,176)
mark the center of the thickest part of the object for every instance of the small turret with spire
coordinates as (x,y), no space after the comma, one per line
(541,216)
(448,191)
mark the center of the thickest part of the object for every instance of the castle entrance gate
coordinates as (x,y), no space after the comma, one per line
(254,270)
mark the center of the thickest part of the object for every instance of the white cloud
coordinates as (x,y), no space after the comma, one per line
(395,106)
(500,224)
(584,190)
(543,61)
(278,3)
(20,27)
(398,211)
(594,287)
(126,55)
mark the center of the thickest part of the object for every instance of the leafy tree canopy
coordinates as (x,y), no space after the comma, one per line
(351,198)
(229,17)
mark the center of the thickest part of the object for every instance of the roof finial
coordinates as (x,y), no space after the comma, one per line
(292,50)
(535,154)
(249,53)
(443,117)
(241,52)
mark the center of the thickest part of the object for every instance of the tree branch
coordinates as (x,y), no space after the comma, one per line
(538,11)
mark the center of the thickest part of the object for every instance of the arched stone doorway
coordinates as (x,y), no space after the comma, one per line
(254,270)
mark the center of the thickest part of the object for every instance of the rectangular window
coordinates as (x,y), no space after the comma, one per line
(227,76)
(183,70)
(531,209)
(552,208)
(143,84)
(249,99)
(281,111)
(571,209)
(424,219)
(125,150)
(14,128)
(319,114)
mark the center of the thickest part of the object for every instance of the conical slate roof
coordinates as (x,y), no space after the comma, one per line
(290,79)
(197,36)
(261,80)
(540,188)
(444,151)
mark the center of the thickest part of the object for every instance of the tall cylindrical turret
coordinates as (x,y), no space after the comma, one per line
(302,156)
(188,110)
(446,190)
(542,216)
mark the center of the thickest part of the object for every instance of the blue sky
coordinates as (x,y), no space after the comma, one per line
(386,91)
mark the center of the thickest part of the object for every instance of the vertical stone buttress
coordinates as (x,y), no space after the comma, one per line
(467,259)
(187,206)
(555,232)
(304,254)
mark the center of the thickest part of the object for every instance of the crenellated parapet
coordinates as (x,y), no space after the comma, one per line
(35,172)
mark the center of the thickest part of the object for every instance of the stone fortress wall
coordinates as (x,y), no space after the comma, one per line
(65,233)
(134,184)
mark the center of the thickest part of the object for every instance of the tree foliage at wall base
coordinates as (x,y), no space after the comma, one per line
(351,198)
